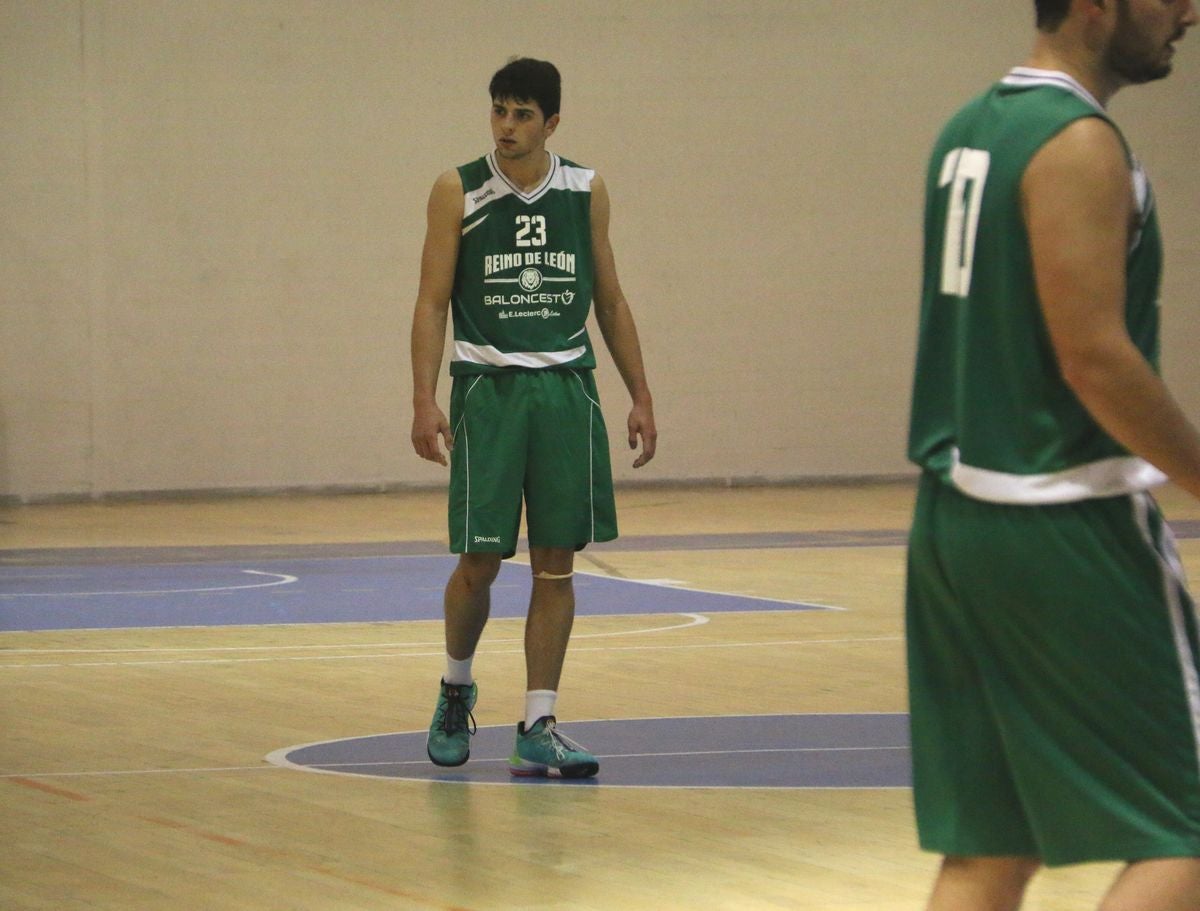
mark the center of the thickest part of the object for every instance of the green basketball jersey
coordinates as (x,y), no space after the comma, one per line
(523,282)
(991,413)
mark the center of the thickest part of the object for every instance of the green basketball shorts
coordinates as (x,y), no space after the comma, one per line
(1053,687)
(535,436)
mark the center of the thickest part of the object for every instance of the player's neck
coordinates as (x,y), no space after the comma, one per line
(528,171)
(1081,67)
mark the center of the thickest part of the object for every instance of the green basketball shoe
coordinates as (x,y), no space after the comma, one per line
(543,751)
(449,740)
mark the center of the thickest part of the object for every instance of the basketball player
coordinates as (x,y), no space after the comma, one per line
(517,247)
(1052,644)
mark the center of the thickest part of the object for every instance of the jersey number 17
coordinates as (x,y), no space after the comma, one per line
(965,172)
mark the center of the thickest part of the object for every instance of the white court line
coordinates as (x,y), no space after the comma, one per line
(696,620)
(105,772)
(672,754)
(676,586)
(681,585)
(440,653)
(333,766)
(280,579)
(280,757)
(277,759)
(40,578)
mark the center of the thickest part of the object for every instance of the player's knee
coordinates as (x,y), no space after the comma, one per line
(478,571)
(993,875)
(1170,884)
(552,564)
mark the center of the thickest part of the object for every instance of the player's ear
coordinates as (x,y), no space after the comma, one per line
(551,125)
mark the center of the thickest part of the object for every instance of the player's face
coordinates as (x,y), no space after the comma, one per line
(519,127)
(1143,42)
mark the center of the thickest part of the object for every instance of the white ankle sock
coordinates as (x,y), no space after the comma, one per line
(458,672)
(538,704)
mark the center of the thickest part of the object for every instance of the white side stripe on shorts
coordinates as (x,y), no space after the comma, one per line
(592,408)
(1174,584)
(466,455)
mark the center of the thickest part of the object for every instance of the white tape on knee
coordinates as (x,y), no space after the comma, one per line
(553,577)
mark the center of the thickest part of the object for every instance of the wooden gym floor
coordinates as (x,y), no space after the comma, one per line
(132,762)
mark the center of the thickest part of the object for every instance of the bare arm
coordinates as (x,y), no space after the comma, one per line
(1078,204)
(619,330)
(438,259)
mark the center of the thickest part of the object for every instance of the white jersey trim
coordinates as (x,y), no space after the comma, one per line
(1030,77)
(559,177)
(492,189)
(1104,478)
(473,225)
(578,180)
(491,356)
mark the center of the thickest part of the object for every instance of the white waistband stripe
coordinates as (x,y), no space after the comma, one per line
(1104,478)
(494,357)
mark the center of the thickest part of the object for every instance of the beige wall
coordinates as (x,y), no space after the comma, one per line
(213,211)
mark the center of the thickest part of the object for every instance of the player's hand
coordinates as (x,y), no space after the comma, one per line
(429,423)
(641,424)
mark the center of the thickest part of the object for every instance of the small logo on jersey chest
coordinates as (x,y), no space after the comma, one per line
(530,279)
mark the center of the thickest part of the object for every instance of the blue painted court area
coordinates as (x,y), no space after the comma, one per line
(211,587)
(743,751)
(313,590)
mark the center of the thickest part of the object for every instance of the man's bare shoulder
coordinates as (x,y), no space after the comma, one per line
(446,197)
(1084,168)
(449,179)
(599,191)
(1089,146)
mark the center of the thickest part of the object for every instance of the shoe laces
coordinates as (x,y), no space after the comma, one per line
(561,743)
(456,715)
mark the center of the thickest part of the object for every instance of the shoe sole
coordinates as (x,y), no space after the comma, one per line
(582,770)
(446,765)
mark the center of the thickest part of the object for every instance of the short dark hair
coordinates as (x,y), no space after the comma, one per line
(1051,13)
(526,79)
